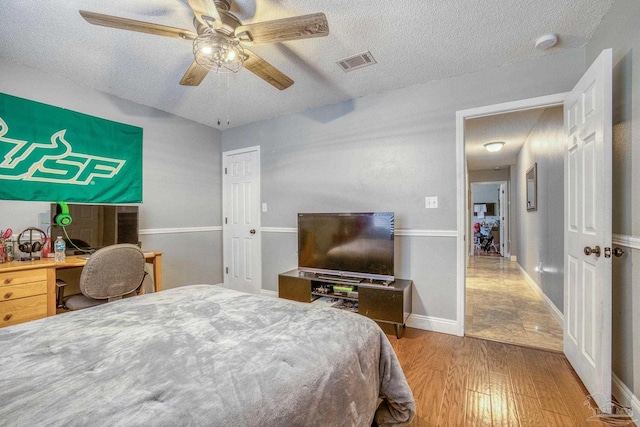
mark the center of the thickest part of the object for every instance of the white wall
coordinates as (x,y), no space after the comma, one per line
(541,232)
(181,175)
(387,152)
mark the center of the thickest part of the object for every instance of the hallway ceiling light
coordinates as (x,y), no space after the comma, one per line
(492,147)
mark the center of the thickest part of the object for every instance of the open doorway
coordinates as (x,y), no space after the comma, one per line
(512,295)
(489,221)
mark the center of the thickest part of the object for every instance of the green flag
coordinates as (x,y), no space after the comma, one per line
(49,153)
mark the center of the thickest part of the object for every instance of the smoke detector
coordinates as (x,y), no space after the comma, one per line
(546,41)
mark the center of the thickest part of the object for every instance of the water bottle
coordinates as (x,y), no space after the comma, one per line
(8,250)
(60,247)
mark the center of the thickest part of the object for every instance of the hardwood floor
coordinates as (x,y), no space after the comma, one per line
(463,381)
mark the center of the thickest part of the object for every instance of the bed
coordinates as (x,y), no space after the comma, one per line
(201,355)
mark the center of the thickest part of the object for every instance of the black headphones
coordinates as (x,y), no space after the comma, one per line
(29,246)
(62,217)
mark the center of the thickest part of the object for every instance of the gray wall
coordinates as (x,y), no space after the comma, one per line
(620,30)
(541,232)
(181,172)
(387,152)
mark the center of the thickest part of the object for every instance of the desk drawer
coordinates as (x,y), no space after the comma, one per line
(23,310)
(25,290)
(23,276)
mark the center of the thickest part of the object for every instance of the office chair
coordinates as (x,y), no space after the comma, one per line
(110,274)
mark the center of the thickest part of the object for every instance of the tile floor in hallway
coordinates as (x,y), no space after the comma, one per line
(502,306)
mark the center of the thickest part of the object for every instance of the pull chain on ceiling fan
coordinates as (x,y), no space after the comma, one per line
(219,39)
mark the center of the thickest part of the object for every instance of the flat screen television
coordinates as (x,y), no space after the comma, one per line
(96,226)
(358,245)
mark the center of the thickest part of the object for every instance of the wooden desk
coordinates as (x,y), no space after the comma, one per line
(28,288)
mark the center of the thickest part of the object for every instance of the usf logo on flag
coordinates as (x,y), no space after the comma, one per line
(49,153)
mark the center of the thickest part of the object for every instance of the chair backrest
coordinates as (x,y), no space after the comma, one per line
(112,272)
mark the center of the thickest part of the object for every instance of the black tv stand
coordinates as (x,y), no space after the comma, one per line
(388,303)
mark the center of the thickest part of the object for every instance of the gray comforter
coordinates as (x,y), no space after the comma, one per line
(201,356)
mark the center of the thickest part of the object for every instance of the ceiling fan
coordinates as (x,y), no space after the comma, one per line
(219,39)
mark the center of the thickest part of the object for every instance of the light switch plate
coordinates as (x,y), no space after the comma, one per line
(431,202)
(264,207)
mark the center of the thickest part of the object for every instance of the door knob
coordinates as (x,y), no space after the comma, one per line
(617,252)
(252,231)
(595,250)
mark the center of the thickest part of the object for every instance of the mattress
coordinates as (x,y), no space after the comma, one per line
(201,355)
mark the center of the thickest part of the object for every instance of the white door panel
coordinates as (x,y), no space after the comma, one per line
(242,256)
(587,302)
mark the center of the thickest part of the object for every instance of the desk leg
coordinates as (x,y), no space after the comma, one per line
(157,273)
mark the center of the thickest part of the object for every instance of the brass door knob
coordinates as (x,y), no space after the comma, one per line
(617,252)
(595,250)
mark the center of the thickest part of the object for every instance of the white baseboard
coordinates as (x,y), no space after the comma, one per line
(433,324)
(557,314)
(625,397)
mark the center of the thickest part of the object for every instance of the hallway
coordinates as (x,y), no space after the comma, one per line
(502,306)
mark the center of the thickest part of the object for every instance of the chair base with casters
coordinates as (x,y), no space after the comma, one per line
(111,273)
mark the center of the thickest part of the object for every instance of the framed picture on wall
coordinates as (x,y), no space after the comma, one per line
(532,187)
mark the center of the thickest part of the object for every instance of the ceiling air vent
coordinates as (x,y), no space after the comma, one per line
(357,61)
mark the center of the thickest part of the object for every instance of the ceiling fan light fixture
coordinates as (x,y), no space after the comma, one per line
(494,147)
(217,52)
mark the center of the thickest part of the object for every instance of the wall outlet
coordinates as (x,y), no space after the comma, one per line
(264,207)
(431,202)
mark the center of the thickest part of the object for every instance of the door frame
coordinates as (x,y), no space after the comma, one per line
(225,243)
(462,181)
(505,215)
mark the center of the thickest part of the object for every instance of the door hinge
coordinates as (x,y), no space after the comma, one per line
(225,171)
(225,219)
(226,270)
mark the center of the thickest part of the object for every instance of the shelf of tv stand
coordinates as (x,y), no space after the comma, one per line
(319,295)
(388,304)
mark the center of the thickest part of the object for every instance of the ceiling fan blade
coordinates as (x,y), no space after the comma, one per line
(206,12)
(139,26)
(194,75)
(280,30)
(266,71)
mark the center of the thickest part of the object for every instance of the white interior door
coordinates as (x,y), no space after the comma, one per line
(241,208)
(587,193)
(504,212)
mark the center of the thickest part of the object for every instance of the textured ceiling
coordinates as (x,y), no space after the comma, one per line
(510,128)
(413,41)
